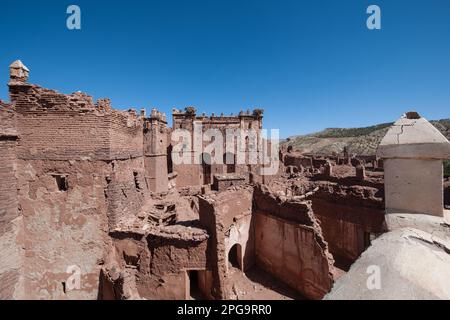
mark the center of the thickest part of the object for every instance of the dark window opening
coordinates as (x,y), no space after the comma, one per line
(63,286)
(194,288)
(136,181)
(169,159)
(61,182)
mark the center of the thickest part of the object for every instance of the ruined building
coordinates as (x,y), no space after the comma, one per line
(94,205)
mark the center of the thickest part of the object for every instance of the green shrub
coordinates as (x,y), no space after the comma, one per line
(350,132)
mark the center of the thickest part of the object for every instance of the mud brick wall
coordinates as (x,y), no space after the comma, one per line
(73,153)
(160,261)
(10,220)
(63,136)
(290,246)
(172,255)
(170,260)
(156,138)
(348,215)
(219,216)
(193,175)
(126,135)
(56,126)
(63,228)
(298,161)
(8,184)
(126,189)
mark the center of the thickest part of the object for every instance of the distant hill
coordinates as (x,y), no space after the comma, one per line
(362,141)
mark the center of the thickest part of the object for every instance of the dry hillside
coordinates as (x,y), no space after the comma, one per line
(362,141)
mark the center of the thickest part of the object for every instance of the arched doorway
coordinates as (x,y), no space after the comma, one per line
(235,257)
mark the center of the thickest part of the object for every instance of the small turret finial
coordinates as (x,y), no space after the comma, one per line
(18,72)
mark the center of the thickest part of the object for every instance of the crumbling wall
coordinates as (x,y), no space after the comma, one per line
(125,190)
(10,218)
(349,216)
(79,163)
(59,127)
(292,159)
(227,218)
(290,246)
(170,259)
(156,136)
(125,135)
(65,229)
(56,126)
(153,264)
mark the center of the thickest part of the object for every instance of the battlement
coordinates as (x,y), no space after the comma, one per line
(191,113)
(34,98)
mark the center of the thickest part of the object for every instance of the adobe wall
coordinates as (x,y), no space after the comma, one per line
(80,171)
(125,190)
(8,186)
(156,142)
(297,160)
(193,174)
(158,259)
(348,216)
(62,228)
(241,232)
(125,134)
(56,126)
(290,246)
(227,218)
(10,219)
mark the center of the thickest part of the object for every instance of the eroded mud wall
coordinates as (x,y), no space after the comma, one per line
(227,216)
(290,246)
(10,218)
(156,264)
(349,217)
(65,164)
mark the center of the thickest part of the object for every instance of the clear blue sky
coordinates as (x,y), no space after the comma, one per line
(310,64)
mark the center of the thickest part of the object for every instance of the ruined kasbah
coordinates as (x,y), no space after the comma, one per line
(97,203)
